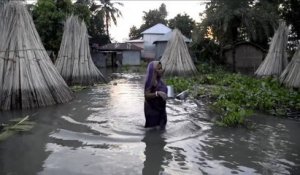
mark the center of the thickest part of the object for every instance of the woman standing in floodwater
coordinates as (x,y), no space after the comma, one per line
(155,96)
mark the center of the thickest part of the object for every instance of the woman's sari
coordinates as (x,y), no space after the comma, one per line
(155,108)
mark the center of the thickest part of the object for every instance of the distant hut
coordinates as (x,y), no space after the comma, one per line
(122,54)
(248,57)
(28,78)
(291,74)
(74,60)
(176,59)
(137,42)
(276,59)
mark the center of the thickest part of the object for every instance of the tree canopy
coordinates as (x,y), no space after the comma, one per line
(290,12)
(150,18)
(184,23)
(109,11)
(231,21)
(49,17)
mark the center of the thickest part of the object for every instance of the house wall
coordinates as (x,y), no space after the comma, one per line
(247,57)
(131,58)
(149,47)
(159,49)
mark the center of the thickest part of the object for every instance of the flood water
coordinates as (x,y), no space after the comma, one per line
(101,132)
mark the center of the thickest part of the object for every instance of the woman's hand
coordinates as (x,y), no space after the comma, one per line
(162,95)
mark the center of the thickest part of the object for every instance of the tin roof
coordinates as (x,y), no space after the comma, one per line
(135,41)
(157,29)
(119,47)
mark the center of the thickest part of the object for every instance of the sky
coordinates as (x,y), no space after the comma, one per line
(132,12)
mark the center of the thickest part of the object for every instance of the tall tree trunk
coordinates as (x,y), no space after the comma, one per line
(234,40)
(233,58)
(107,23)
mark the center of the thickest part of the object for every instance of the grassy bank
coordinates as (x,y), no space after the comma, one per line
(236,96)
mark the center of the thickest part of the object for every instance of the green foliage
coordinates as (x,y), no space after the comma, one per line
(49,17)
(125,68)
(231,113)
(184,23)
(232,21)
(97,29)
(152,17)
(179,83)
(236,96)
(289,11)
(134,33)
(78,88)
(205,49)
(83,12)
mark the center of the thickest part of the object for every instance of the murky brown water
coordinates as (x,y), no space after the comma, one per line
(101,132)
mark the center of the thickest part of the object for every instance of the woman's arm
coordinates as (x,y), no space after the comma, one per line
(149,94)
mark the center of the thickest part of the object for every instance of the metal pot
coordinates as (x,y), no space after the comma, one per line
(170,91)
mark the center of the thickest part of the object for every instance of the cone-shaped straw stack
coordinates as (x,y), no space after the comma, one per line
(291,74)
(276,59)
(176,59)
(74,60)
(28,78)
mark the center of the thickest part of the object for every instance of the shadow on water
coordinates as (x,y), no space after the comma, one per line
(155,153)
(101,132)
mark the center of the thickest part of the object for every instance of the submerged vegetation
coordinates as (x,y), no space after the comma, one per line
(235,96)
(15,126)
(78,88)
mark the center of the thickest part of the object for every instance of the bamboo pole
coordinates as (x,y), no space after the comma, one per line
(28,77)
(276,59)
(74,60)
(290,77)
(176,58)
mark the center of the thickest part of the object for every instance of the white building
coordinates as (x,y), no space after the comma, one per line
(149,36)
(154,41)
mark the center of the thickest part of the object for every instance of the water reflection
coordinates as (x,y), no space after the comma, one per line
(155,153)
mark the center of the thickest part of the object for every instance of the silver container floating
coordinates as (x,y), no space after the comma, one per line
(170,92)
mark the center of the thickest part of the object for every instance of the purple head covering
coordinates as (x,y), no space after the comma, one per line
(150,79)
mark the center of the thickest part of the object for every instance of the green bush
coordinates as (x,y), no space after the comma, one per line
(179,83)
(236,96)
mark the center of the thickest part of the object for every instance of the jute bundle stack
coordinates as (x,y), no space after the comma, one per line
(291,74)
(74,60)
(276,59)
(28,78)
(176,59)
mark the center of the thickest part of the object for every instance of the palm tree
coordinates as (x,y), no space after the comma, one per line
(110,12)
